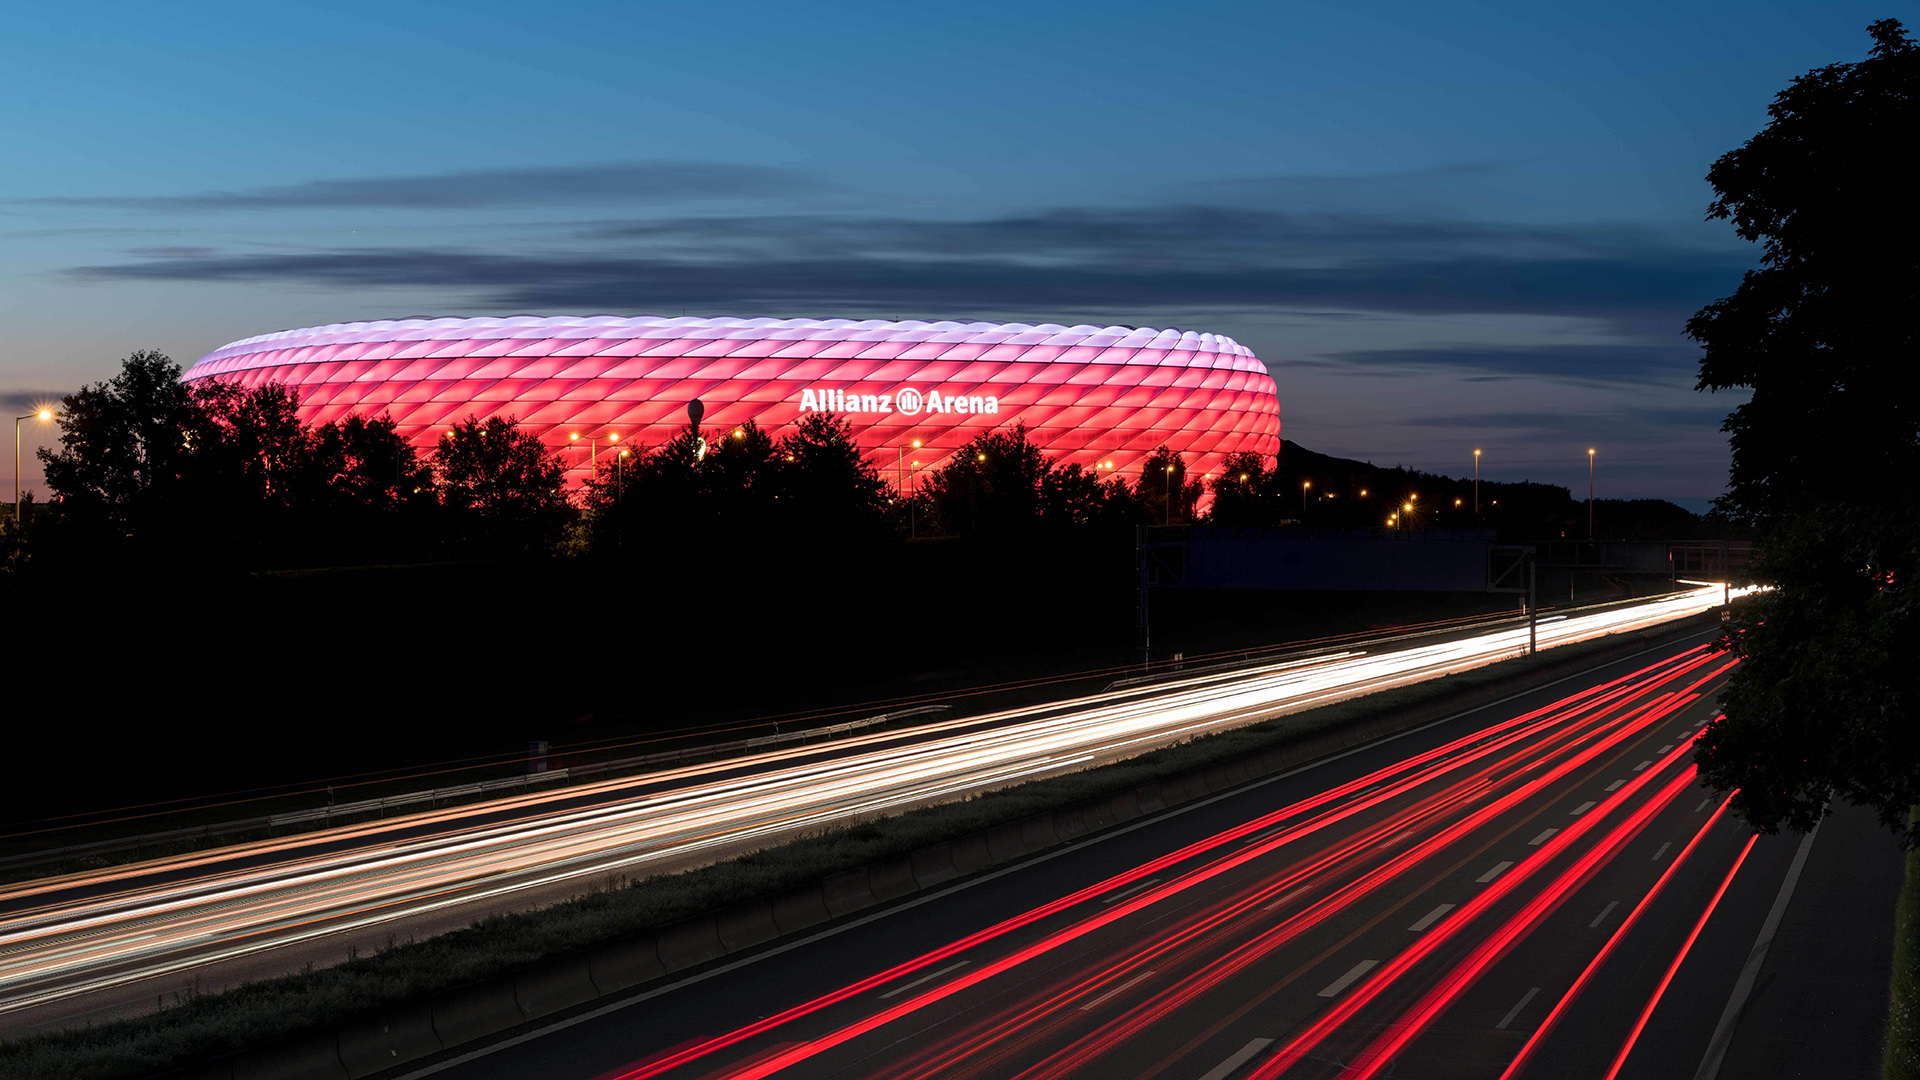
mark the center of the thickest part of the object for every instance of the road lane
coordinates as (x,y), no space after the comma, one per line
(1202,945)
(92,933)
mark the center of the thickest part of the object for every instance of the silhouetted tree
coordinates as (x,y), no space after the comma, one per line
(501,488)
(991,485)
(1825,451)
(124,444)
(1165,493)
(827,487)
(1245,492)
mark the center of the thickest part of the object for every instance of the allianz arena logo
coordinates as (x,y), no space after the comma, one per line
(908,402)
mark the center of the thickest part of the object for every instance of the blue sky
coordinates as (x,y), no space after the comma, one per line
(1442,226)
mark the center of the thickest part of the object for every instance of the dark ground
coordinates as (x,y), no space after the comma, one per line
(211,684)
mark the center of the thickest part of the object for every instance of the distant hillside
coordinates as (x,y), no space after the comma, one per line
(1358,493)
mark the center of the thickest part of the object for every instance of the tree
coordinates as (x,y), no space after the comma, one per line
(501,487)
(991,485)
(827,487)
(124,444)
(1165,492)
(1244,492)
(1824,452)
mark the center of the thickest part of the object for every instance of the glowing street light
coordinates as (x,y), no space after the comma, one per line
(1589,494)
(43,415)
(1476,482)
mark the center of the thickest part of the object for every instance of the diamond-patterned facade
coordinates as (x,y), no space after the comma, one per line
(1088,394)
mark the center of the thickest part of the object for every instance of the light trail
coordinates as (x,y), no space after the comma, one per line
(250,898)
(1584,727)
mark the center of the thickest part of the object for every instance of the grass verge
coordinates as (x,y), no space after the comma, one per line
(1902,1060)
(194,1028)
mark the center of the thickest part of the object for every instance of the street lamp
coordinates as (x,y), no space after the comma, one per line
(1476,483)
(1589,494)
(593,448)
(1304,485)
(43,415)
(1169,494)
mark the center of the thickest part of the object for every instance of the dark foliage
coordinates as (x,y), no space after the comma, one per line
(500,488)
(1824,453)
(1000,486)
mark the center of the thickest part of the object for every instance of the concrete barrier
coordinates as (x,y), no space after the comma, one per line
(799,909)
(620,964)
(312,1058)
(847,893)
(1004,842)
(933,866)
(1037,832)
(971,855)
(892,879)
(1150,798)
(689,943)
(379,1043)
(474,1012)
(743,926)
(555,986)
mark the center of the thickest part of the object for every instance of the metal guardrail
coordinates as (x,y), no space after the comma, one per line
(433,796)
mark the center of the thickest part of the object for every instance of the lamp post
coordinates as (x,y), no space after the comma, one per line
(1169,494)
(1476,484)
(42,415)
(593,448)
(1589,494)
(1304,485)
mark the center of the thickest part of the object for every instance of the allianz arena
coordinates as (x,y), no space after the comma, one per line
(1101,396)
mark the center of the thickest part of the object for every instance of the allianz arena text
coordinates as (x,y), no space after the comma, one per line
(914,392)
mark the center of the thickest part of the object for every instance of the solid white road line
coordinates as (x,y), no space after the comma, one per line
(1662,851)
(1723,1031)
(1604,912)
(1116,990)
(1514,1013)
(1545,834)
(1286,898)
(1333,988)
(1430,918)
(1498,869)
(1129,890)
(898,990)
(1583,808)
(1240,1057)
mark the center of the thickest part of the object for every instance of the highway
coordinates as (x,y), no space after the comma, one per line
(1542,890)
(86,937)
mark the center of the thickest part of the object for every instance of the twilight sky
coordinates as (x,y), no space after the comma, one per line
(1442,225)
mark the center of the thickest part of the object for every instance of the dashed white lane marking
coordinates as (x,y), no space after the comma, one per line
(1545,834)
(1333,988)
(1615,786)
(1240,1057)
(1286,898)
(927,978)
(1430,918)
(1498,869)
(1583,808)
(1604,912)
(1514,1013)
(1702,808)
(1662,851)
(1664,749)
(1642,765)
(1130,890)
(1116,990)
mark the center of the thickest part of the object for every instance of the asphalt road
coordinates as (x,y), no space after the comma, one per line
(1535,889)
(104,943)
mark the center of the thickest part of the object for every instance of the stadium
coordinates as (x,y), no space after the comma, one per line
(915,392)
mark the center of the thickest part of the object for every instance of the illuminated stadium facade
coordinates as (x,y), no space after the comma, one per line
(1101,396)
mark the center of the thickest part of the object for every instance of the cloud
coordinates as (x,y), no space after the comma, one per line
(647,182)
(1626,363)
(1132,260)
(21,402)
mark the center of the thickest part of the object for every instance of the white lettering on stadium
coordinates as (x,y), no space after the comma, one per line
(910,402)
